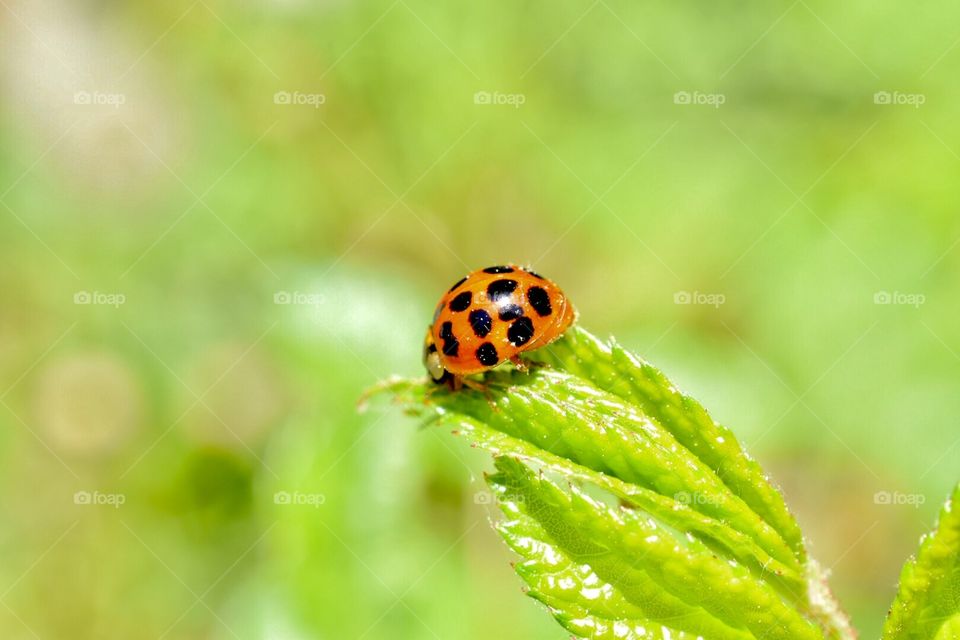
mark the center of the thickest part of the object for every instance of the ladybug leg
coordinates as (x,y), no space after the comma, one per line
(521,365)
(482,388)
(473,384)
(535,364)
(431,390)
(456,383)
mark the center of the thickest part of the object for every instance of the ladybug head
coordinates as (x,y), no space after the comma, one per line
(431,360)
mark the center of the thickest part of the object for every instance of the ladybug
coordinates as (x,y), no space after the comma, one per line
(491,316)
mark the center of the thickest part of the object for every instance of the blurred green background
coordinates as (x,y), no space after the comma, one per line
(221,221)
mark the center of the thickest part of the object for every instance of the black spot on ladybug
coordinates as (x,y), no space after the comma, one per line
(431,348)
(500,269)
(510,312)
(540,301)
(520,331)
(500,288)
(535,274)
(487,354)
(462,301)
(451,346)
(446,330)
(481,322)
(459,282)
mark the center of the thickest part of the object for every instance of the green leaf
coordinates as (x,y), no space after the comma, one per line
(927,606)
(617,371)
(634,513)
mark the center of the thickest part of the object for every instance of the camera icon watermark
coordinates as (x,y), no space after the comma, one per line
(298,298)
(497,98)
(299,499)
(483,497)
(99,298)
(901,298)
(897,498)
(99,98)
(97,499)
(895,98)
(715,100)
(297,98)
(697,297)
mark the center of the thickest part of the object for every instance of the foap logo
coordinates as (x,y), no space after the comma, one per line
(485,497)
(698,297)
(897,498)
(99,298)
(299,499)
(700,98)
(297,98)
(497,98)
(696,498)
(898,98)
(298,298)
(98,499)
(899,298)
(99,98)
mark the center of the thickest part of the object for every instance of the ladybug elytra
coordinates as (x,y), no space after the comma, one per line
(491,316)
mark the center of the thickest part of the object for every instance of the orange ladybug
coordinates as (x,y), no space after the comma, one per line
(491,316)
